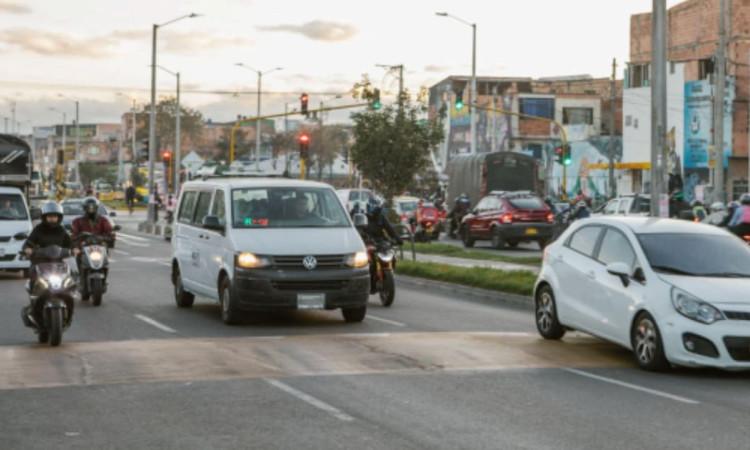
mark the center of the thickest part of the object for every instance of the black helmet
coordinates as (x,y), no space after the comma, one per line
(90,206)
(52,208)
(745,199)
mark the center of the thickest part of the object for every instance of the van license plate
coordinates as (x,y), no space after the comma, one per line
(531,231)
(311,301)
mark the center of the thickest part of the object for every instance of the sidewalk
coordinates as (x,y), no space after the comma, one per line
(463,262)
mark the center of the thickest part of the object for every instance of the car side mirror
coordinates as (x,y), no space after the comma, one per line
(475,211)
(639,276)
(212,223)
(620,269)
(36,213)
(360,221)
(112,214)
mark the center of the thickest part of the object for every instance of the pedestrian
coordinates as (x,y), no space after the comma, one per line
(130,198)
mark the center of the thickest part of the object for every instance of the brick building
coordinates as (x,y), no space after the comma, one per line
(693,33)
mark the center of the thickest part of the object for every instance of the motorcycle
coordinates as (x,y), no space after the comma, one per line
(428,227)
(51,294)
(94,267)
(385,262)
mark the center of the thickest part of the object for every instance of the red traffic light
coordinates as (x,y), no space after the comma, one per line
(304,138)
(166,156)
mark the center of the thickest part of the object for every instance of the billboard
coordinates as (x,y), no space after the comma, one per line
(699,122)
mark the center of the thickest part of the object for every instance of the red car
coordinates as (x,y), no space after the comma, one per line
(509,218)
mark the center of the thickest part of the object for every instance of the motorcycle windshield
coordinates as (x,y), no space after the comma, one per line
(50,268)
(51,254)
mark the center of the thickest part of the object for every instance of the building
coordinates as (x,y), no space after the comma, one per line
(578,106)
(693,34)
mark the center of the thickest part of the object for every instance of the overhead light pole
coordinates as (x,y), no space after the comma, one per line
(257,120)
(64,126)
(177,141)
(400,68)
(152,118)
(472,112)
(77,154)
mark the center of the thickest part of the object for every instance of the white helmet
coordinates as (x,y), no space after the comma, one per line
(718,206)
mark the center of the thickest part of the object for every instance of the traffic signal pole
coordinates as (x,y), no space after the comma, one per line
(563,135)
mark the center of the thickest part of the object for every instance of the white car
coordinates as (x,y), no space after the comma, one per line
(268,244)
(627,205)
(15,227)
(674,292)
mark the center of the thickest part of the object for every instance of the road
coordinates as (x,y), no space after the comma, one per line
(431,372)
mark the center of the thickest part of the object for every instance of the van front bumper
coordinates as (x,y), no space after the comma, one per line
(270,289)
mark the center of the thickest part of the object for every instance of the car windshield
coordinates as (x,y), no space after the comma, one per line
(12,207)
(287,207)
(72,209)
(707,255)
(641,205)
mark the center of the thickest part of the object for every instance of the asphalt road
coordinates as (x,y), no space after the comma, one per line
(431,372)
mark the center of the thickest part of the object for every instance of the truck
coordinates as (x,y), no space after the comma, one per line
(478,175)
(15,184)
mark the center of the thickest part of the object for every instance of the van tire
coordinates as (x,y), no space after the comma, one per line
(352,315)
(229,313)
(183,298)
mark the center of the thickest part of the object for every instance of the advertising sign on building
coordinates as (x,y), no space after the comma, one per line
(699,123)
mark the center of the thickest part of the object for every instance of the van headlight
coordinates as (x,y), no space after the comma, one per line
(68,282)
(248,260)
(358,260)
(694,308)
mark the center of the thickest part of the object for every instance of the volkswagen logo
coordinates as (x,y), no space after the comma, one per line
(310,262)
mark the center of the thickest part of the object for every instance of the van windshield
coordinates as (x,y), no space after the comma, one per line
(12,207)
(287,207)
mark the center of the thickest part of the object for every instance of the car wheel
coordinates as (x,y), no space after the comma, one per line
(183,298)
(466,237)
(546,315)
(647,344)
(512,244)
(352,315)
(229,313)
(498,241)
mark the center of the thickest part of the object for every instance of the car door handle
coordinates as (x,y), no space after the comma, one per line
(200,236)
(591,274)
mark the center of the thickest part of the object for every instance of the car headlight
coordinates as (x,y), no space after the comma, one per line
(358,260)
(248,260)
(694,308)
(55,281)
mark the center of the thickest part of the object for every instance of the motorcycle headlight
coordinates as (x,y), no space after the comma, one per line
(385,256)
(694,308)
(96,256)
(358,260)
(248,260)
(55,281)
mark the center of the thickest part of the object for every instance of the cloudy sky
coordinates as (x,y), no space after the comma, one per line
(97,51)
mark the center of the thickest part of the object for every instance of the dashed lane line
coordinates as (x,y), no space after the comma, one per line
(635,387)
(309,399)
(388,321)
(155,323)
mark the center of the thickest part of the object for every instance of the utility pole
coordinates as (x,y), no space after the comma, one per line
(78,146)
(64,131)
(6,125)
(178,141)
(134,155)
(258,125)
(473,116)
(612,111)
(719,82)
(152,213)
(658,104)
(13,117)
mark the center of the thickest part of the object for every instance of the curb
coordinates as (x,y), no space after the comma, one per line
(477,295)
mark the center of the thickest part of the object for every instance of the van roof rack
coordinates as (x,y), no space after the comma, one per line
(237,174)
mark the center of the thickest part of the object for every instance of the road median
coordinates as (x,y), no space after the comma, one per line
(458,252)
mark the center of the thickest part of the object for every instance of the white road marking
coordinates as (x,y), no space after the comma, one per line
(388,321)
(130,236)
(635,387)
(154,323)
(122,252)
(165,264)
(335,412)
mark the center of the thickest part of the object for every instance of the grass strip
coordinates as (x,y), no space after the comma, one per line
(458,252)
(515,282)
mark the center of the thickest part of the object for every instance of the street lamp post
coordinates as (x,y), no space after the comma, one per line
(77,155)
(177,140)
(472,112)
(257,120)
(152,118)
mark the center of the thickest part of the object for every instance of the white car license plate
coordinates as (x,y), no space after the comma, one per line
(311,301)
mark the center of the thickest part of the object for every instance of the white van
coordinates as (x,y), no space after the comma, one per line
(15,227)
(267,244)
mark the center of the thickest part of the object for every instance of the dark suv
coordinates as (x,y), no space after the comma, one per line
(509,218)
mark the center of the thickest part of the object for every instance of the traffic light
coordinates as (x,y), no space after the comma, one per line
(376,99)
(143,151)
(303,99)
(559,154)
(567,158)
(459,100)
(304,145)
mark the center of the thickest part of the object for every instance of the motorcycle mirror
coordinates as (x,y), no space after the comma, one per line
(113,214)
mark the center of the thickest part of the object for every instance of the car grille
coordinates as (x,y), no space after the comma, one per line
(737,315)
(738,347)
(4,238)
(312,285)
(6,258)
(325,262)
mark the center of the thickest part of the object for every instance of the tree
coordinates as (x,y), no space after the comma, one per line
(241,144)
(392,145)
(327,143)
(191,123)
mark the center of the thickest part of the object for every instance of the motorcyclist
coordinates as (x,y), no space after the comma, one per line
(718,214)
(740,222)
(581,211)
(50,232)
(699,211)
(92,222)
(460,208)
(733,207)
(378,230)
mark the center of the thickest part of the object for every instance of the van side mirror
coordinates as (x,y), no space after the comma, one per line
(360,221)
(36,213)
(639,276)
(212,223)
(620,269)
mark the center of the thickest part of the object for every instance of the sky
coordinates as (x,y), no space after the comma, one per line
(98,51)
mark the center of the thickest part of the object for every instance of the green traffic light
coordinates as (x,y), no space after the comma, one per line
(567,161)
(376,105)
(459,105)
